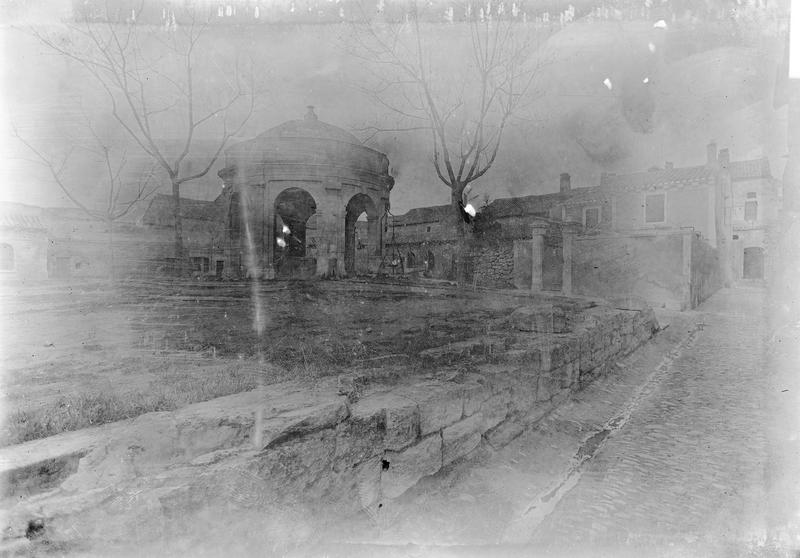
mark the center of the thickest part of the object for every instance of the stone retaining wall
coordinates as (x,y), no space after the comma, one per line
(352,443)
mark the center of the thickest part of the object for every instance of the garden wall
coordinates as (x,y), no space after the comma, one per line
(672,269)
(650,266)
(706,277)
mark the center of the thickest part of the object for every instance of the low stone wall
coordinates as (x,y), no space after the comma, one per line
(673,269)
(646,265)
(351,443)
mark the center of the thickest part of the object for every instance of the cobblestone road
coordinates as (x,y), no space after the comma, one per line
(691,470)
(691,450)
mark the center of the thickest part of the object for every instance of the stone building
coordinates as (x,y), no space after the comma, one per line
(294,196)
(204,235)
(23,242)
(671,235)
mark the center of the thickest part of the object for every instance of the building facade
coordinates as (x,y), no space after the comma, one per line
(294,196)
(23,242)
(670,235)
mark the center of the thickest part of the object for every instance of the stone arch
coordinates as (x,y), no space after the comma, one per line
(293,208)
(6,257)
(411,259)
(357,206)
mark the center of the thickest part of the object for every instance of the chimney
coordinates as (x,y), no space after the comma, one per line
(310,115)
(765,172)
(724,158)
(668,165)
(711,154)
(565,182)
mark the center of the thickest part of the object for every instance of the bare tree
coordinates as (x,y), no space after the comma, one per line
(149,76)
(464,99)
(113,184)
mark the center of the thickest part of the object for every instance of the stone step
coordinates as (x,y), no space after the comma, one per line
(153,441)
(480,347)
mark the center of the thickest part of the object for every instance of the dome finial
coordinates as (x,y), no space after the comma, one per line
(310,115)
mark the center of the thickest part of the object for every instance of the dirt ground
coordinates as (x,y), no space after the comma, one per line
(62,341)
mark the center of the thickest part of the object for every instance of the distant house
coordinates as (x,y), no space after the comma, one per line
(753,206)
(23,242)
(710,225)
(204,234)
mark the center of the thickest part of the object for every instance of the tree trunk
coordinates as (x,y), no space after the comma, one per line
(111,276)
(462,231)
(180,264)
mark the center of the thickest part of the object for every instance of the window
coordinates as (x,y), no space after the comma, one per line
(751,195)
(6,257)
(750,210)
(655,208)
(427,229)
(591,217)
(200,264)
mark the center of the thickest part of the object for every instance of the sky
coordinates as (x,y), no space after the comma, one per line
(702,83)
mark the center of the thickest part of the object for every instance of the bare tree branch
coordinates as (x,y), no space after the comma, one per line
(134,66)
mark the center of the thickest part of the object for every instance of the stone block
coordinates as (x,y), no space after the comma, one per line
(539,319)
(355,488)
(473,394)
(396,415)
(549,385)
(561,353)
(524,395)
(440,404)
(360,437)
(303,421)
(291,468)
(495,410)
(504,433)
(402,470)
(525,355)
(402,424)
(537,413)
(461,438)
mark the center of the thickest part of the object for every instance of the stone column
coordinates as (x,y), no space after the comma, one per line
(568,232)
(538,230)
(373,243)
(269,230)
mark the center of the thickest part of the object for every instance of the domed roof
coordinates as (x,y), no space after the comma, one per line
(310,128)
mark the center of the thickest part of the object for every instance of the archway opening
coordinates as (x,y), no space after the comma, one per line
(361,240)
(753,263)
(293,208)
(430,263)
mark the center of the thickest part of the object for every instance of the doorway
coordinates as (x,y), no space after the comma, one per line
(360,234)
(753,263)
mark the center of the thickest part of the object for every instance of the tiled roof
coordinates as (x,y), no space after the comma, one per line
(20,216)
(20,221)
(418,215)
(161,209)
(524,205)
(657,178)
(753,168)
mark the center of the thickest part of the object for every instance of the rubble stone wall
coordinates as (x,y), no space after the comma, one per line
(356,441)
